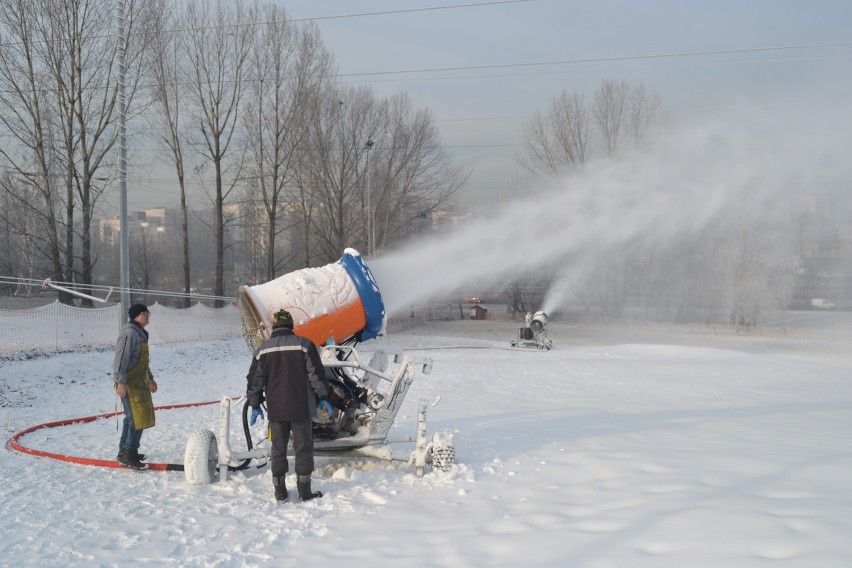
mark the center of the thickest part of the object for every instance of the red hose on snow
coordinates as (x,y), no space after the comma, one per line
(13,443)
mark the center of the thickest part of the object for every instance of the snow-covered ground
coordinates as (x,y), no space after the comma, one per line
(622,447)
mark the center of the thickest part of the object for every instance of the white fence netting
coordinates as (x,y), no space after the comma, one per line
(59,327)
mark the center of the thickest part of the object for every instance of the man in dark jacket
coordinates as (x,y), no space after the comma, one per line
(286,372)
(134,384)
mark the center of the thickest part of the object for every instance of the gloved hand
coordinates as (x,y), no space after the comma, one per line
(255,413)
(325,409)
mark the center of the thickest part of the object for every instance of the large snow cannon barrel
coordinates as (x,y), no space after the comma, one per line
(539,322)
(332,303)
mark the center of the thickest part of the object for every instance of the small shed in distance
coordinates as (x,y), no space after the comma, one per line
(477,312)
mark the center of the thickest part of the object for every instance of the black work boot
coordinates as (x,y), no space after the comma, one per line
(122,457)
(132,460)
(280,488)
(303,483)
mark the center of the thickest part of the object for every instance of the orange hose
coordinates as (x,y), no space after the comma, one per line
(14,444)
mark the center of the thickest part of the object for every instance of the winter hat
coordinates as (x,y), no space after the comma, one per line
(136,309)
(282,318)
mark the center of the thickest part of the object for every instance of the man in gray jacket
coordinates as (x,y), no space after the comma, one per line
(134,384)
(286,372)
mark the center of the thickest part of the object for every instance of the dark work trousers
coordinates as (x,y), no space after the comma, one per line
(130,436)
(303,446)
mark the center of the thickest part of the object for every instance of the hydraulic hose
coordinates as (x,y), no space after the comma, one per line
(15,444)
(249,444)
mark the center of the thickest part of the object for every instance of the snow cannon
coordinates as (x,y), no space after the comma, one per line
(538,323)
(534,332)
(334,306)
(336,303)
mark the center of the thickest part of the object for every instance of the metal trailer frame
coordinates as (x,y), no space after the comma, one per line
(386,390)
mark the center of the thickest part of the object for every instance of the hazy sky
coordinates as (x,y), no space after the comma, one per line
(481,109)
(480,112)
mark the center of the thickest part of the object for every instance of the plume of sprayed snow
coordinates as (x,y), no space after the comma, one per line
(700,174)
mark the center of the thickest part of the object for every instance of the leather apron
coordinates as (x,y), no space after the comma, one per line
(139,392)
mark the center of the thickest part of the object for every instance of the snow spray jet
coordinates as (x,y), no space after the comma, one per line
(567,277)
(701,174)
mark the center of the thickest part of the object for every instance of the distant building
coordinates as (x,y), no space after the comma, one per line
(161,221)
(478,312)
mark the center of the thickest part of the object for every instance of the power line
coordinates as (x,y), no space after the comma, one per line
(478,118)
(504,75)
(525,64)
(295,20)
(601,59)
(409,10)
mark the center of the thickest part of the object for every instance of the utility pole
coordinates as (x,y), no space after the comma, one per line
(369,146)
(124,247)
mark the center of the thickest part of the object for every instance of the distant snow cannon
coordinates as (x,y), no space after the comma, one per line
(337,303)
(538,324)
(534,332)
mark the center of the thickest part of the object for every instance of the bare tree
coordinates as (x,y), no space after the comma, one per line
(146,252)
(20,230)
(412,176)
(26,116)
(218,43)
(610,101)
(564,137)
(644,115)
(374,163)
(288,66)
(334,169)
(84,67)
(60,94)
(252,230)
(167,72)
(559,140)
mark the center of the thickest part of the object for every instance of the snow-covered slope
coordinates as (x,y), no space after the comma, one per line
(602,454)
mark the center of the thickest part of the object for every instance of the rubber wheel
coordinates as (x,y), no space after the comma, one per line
(201,458)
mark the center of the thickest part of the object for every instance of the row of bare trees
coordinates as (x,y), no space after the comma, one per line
(241,101)
(58,97)
(571,131)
